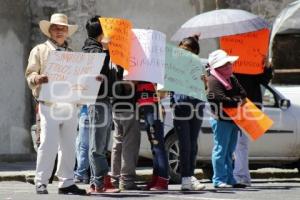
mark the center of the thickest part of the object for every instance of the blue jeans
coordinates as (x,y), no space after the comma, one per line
(225,139)
(155,131)
(82,148)
(100,130)
(187,131)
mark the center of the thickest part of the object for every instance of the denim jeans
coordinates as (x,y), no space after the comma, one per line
(82,148)
(155,131)
(225,139)
(187,131)
(100,130)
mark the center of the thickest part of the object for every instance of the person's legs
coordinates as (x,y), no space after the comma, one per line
(82,151)
(100,119)
(116,151)
(241,164)
(154,128)
(48,146)
(66,150)
(221,141)
(130,150)
(229,157)
(182,129)
(195,125)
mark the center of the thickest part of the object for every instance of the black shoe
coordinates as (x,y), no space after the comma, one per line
(73,189)
(239,185)
(41,189)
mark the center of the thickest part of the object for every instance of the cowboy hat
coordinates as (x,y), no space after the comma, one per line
(59,19)
(219,58)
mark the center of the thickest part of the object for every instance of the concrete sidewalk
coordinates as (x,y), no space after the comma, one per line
(21,171)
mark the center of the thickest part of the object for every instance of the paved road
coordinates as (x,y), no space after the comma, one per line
(262,189)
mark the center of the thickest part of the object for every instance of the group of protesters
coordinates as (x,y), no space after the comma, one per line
(122,105)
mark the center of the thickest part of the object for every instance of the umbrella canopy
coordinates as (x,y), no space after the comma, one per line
(288,21)
(219,23)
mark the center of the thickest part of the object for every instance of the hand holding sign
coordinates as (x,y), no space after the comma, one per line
(40,79)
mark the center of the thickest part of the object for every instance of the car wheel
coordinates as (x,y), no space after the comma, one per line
(172,148)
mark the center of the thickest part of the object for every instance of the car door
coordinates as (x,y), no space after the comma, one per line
(279,141)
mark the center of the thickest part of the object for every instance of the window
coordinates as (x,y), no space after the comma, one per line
(268,97)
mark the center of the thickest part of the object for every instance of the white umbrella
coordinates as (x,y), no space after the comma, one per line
(219,23)
(287,21)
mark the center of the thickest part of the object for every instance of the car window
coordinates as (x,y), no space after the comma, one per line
(268,97)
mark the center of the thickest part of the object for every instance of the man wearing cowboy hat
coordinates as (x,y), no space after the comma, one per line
(57,135)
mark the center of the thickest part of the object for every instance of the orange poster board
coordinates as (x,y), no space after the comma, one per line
(251,48)
(250,119)
(119,31)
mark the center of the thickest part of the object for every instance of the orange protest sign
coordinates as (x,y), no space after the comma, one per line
(250,47)
(250,119)
(119,31)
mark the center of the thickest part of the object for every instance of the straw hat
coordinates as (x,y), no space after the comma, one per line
(59,19)
(219,58)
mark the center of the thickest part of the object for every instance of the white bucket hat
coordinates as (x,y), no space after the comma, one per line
(219,58)
(59,19)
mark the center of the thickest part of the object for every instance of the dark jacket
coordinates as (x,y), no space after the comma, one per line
(93,46)
(125,100)
(251,83)
(220,98)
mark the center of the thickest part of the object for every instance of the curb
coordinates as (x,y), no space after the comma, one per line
(147,177)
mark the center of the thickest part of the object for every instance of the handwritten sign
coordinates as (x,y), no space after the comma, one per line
(183,72)
(251,49)
(147,60)
(72,77)
(119,31)
(250,119)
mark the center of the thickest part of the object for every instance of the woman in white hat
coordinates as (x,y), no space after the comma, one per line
(223,91)
(57,136)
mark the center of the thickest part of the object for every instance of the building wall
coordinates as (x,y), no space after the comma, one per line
(14,99)
(20,32)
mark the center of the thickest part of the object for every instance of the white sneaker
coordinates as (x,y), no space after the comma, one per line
(191,183)
(196,184)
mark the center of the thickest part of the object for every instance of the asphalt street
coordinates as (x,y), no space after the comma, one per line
(261,189)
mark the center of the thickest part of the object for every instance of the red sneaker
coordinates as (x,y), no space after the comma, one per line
(152,182)
(161,184)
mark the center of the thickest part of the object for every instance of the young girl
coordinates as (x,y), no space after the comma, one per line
(188,129)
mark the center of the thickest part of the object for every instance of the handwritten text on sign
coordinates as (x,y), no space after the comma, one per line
(183,73)
(119,31)
(72,77)
(147,60)
(251,49)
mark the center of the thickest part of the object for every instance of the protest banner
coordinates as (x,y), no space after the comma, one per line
(119,31)
(250,47)
(147,60)
(250,119)
(72,77)
(183,71)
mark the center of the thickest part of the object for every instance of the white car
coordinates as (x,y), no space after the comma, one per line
(279,147)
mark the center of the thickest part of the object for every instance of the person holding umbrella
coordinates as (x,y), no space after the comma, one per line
(188,112)
(223,90)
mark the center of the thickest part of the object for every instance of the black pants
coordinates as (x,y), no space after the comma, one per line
(188,132)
